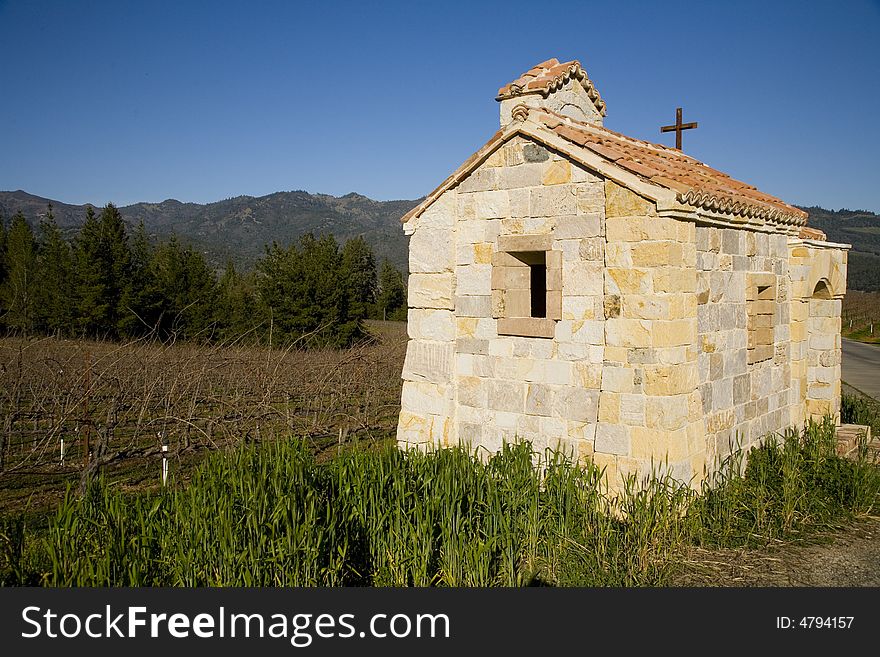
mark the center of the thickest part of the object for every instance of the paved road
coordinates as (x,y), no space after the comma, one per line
(860,366)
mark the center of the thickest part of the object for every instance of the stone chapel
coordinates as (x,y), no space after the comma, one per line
(611,297)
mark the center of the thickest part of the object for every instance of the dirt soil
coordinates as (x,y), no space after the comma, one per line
(847,556)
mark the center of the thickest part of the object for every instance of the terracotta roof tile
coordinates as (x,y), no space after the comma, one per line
(549,76)
(695,183)
(808,233)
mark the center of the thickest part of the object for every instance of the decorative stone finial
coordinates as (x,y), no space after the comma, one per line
(563,88)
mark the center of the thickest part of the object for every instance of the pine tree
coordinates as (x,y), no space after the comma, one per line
(303,295)
(93,310)
(187,289)
(359,273)
(19,288)
(391,302)
(3,268)
(103,265)
(54,310)
(235,307)
(141,304)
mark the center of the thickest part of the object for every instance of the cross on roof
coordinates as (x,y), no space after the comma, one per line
(678,127)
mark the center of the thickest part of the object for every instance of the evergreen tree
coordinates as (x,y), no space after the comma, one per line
(54,291)
(359,273)
(103,264)
(3,267)
(235,309)
(302,292)
(18,290)
(93,308)
(391,303)
(141,305)
(187,289)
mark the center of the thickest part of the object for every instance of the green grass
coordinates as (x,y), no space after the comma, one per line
(271,516)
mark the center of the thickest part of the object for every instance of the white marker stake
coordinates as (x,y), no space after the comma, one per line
(164,464)
(62,452)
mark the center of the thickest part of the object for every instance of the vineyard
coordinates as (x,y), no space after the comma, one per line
(72,407)
(860,316)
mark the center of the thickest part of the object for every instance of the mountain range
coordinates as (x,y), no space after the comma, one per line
(239,228)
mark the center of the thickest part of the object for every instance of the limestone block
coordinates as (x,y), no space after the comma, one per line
(622,332)
(618,379)
(428,361)
(412,429)
(472,346)
(673,333)
(481,180)
(612,439)
(521,243)
(442,431)
(627,281)
(722,394)
(526,326)
(656,253)
(442,212)
(588,332)
(578,226)
(667,413)
(473,280)
(621,202)
(557,372)
(576,403)
(582,278)
(525,175)
(578,308)
(476,231)
(554,201)
(590,198)
(474,365)
(473,306)
(426,398)
(664,380)
(470,434)
(644,307)
(659,446)
(553,431)
(588,375)
(491,204)
(431,251)
(640,228)
(430,291)
(424,324)
(472,391)
(519,202)
(675,279)
(632,409)
(618,255)
(540,399)
(557,173)
(572,351)
(507,396)
(732,241)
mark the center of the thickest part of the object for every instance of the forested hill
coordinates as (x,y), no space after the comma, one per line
(859,228)
(238,228)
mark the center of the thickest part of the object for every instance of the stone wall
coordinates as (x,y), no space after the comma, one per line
(498,387)
(649,408)
(742,400)
(818,275)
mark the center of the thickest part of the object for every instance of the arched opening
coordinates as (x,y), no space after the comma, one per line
(822,291)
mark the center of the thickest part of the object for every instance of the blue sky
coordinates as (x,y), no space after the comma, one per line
(124,102)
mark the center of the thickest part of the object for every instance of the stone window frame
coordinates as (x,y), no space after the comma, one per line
(761,311)
(511,285)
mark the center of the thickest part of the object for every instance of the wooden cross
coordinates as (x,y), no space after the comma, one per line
(678,127)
